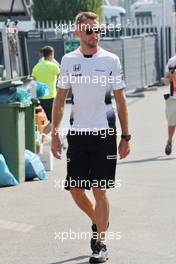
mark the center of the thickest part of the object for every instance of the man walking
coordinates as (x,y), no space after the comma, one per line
(170,78)
(47,72)
(92,73)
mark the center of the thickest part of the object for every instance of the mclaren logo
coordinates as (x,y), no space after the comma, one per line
(112,157)
(77,67)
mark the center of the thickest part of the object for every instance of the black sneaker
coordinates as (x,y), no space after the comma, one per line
(168,149)
(100,254)
(94,236)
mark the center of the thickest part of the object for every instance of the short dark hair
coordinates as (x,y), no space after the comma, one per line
(47,51)
(83,16)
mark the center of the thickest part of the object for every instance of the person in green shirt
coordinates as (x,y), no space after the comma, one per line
(47,72)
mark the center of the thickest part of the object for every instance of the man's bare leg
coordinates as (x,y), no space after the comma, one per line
(168,148)
(84,202)
(101,212)
(171,131)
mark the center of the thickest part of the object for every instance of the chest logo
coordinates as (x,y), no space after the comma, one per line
(77,67)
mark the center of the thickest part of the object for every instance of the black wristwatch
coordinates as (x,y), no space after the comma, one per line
(126,137)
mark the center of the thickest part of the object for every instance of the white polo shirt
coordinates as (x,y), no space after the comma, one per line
(92,81)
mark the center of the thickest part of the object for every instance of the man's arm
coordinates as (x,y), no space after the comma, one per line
(121,105)
(124,146)
(57,114)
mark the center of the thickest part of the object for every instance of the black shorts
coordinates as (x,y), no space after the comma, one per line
(47,105)
(91,161)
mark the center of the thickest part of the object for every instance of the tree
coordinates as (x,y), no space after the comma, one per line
(64,9)
(44,11)
(96,6)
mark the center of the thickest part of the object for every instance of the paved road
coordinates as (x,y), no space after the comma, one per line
(34,215)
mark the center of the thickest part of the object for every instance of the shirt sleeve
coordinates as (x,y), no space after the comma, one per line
(117,75)
(64,80)
(56,70)
(56,62)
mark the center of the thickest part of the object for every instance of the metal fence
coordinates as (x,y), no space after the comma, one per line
(139,59)
(166,36)
(138,55)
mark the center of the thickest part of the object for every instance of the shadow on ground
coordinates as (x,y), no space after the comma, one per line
(73,259)
(157,158)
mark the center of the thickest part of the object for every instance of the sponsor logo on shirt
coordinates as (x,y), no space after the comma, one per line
(77,75)
(98,70)
(77,67)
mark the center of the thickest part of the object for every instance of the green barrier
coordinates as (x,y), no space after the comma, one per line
(12,138)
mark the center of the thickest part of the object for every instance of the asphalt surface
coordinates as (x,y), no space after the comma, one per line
(35,216)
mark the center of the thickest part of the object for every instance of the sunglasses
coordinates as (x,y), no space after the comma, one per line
(89,31)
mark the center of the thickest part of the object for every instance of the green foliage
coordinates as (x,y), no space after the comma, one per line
(95,6)
(64,9)
(45,10)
